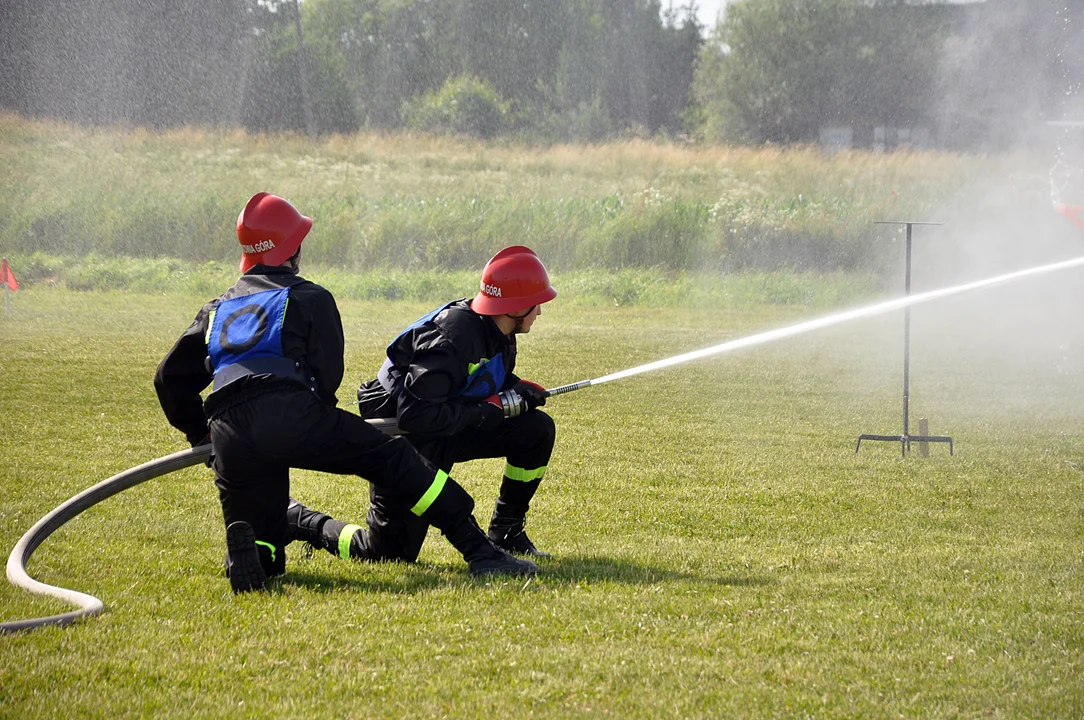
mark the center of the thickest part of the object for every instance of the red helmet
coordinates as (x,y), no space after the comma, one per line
(514,279)
(270,231)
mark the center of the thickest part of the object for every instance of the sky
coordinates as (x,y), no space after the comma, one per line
(708,12)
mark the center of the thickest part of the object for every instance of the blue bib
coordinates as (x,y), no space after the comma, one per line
(484,377)
(247,328)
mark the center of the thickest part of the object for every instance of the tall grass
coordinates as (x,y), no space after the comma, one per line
(416,203)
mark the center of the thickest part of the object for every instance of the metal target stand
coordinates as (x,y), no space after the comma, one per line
(906,438)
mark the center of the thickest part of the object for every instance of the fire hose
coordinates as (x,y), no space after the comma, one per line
(20,555)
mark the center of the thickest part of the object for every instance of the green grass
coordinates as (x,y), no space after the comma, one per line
(720,549)
(652,287)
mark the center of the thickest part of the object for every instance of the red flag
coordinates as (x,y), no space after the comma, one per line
(7,277)
(1075,213)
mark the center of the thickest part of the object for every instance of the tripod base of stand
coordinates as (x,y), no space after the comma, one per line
(906,440)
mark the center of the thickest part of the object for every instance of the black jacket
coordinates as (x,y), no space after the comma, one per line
(433,362)
(312,333)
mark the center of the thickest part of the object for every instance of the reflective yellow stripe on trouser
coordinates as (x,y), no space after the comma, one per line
(268,546)
(430,494)
(346,535)
(514,473)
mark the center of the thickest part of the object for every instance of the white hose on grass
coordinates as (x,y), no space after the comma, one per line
(20,555)
(88,604)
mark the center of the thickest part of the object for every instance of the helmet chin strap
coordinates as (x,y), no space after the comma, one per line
(294,261)
(519,319)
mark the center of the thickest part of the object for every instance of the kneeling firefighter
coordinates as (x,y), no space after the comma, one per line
(272,348)
(448,381)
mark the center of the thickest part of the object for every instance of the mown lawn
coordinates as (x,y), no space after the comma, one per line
(720,548)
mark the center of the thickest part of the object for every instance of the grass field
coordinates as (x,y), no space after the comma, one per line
(720,548)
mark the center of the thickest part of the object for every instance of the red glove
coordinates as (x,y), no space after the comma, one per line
(533,394)
(509,401)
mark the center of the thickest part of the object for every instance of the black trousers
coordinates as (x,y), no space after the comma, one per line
(258,439)
(525,441)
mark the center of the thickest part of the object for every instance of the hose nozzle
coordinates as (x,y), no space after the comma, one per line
(567,388)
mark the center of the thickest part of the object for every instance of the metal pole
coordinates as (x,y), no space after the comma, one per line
(907,346)
(905,439)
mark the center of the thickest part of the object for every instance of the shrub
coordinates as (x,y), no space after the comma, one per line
(464,105)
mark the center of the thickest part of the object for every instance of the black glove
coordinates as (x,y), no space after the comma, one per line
(206,441)
(487,416)
(533,394)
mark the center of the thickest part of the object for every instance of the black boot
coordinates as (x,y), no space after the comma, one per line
(243,566)
(450,512)
(349,542)
(305,524)
(507,533)
(482,555)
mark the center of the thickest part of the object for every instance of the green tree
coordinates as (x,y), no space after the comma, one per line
(272,89)
(780,70)
(574,69)
(673,76)
(109,61)
(332,95)
(514,45)
(783,72)
(622,65)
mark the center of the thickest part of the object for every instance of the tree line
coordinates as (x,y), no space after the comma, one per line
(568,69)
(559,70)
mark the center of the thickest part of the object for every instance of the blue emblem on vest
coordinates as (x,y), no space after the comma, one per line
(485,378)
(245,337)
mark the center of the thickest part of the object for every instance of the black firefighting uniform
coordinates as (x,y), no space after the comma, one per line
(436,378)
(267,415)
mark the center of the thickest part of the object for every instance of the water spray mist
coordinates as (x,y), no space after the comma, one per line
(817,324)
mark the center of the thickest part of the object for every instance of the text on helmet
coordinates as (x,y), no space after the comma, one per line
(262,246)
(491,290)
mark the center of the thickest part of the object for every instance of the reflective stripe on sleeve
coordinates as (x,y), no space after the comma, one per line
(430,494)
(210,324)
(514,473)
(345,536)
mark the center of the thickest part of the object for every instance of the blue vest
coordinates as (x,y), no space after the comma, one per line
(245,337)
(484,377)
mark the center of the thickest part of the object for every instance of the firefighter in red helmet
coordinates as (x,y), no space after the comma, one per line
(271,347)
(270,231)
(449,382)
